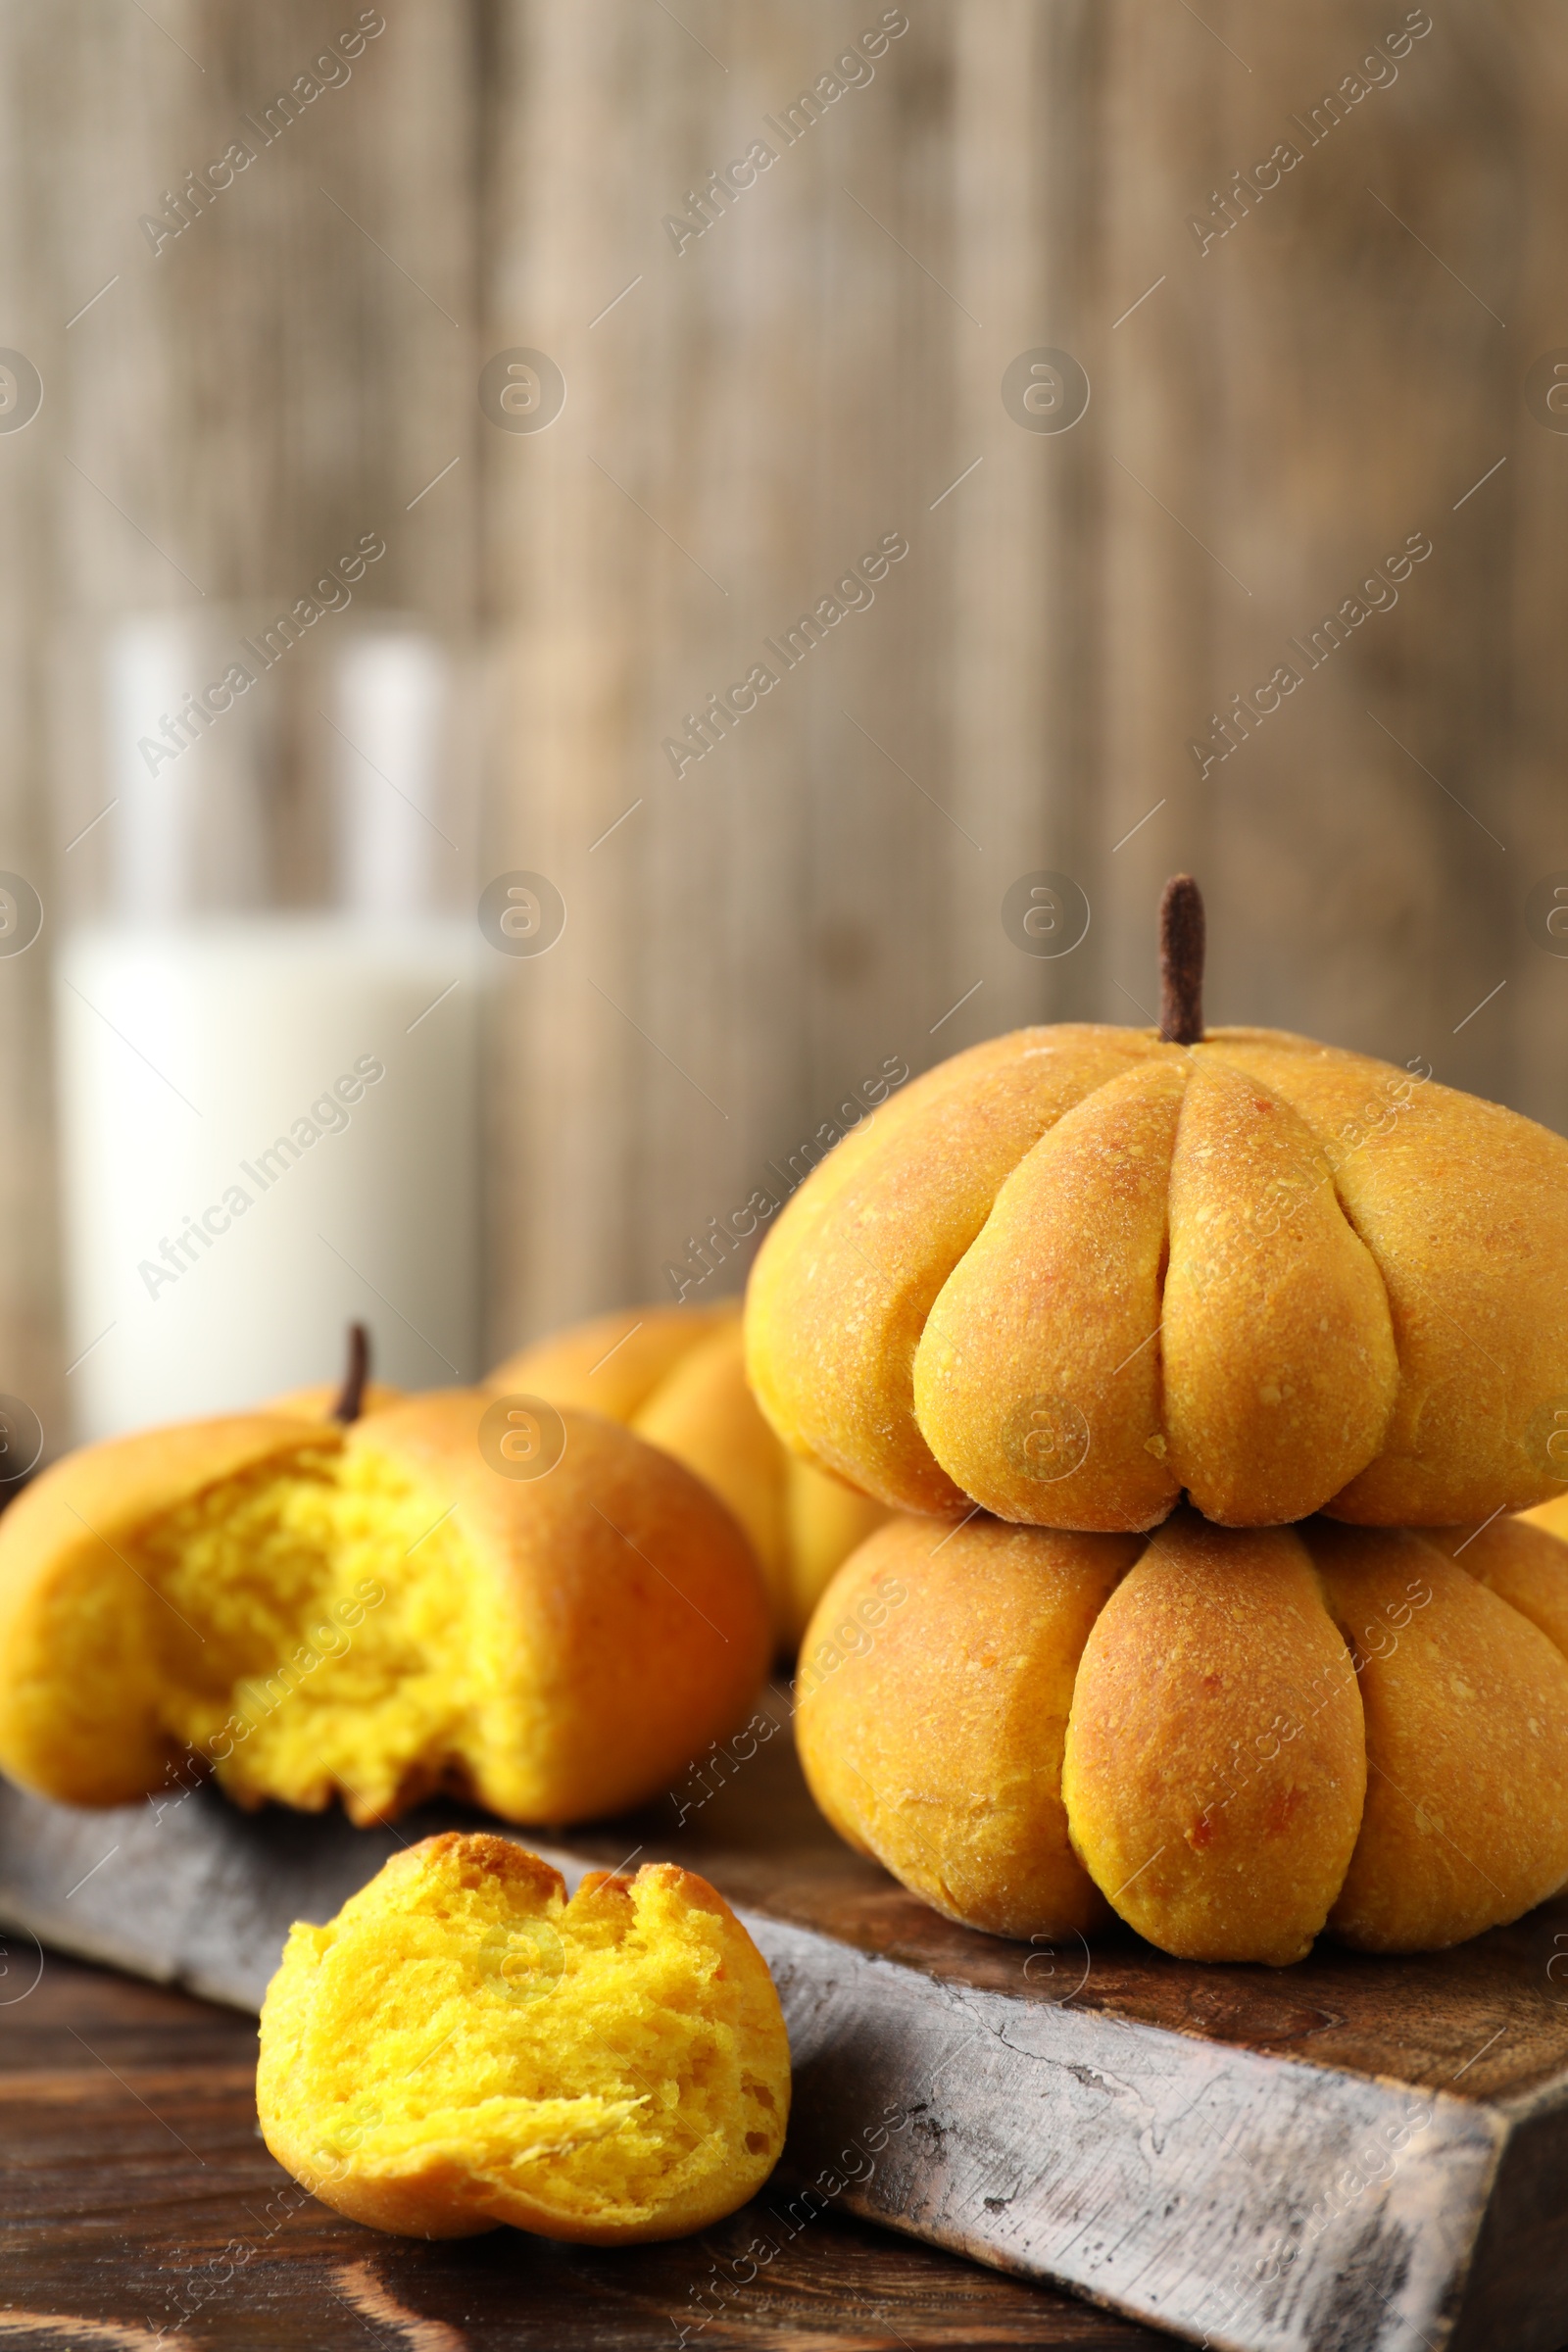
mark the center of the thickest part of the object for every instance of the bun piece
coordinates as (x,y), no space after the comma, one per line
(378,1611)
(1234,1739)
(1077,1270)
(462,2047)
(677,1376)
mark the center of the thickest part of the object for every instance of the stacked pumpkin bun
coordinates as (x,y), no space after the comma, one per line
(1279,1305)
(314,1601)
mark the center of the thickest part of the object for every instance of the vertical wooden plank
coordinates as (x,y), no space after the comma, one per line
(1537,477)
(760,409)
(1163,574)
(1022,554)
(30,1364)
(1361,437)
(1317,386)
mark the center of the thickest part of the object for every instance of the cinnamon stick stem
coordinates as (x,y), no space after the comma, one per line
(1181,963)
(350,1401)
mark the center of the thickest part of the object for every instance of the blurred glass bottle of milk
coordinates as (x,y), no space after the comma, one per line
(267,1023)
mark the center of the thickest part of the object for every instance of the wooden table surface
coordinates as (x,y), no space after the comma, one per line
(143,2210)
(139,2208)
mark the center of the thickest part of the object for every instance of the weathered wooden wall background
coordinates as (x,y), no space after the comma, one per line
(1274,416)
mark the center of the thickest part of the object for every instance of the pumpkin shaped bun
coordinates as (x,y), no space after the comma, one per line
(382,1610)
(1079,1271)
(677,1376)
(1234,1739)
(462,2047)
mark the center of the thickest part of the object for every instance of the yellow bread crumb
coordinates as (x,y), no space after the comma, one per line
(376,1611)
(462,2047)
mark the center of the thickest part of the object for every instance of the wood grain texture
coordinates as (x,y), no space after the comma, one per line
(1267,418)
(138,2199)
(1352,2152)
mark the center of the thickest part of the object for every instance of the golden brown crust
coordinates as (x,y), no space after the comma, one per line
(1214,1767)
(680,1380)
(1349,1319)
(1466,1706)
(1524,1564)
(824,1521)
(467,1858)
(936,1678)
(462,2048)
(1280,1369)
(705,1415)
(613,1364)
(841,1289)
(1081,1218)
(1459,1202)
(629,1608)
(1267,1731)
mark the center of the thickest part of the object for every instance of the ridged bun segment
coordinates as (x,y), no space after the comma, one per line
(841,1289)
(375,1613)
(1075,1271)
(705,1415)
(462,2048)
(1466,1820)
(940,1676)
(1243,1738)
(677,1376)
(1517,1559)
(1205,1652)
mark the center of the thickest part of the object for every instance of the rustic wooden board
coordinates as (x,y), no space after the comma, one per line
(135,2197)
(1354,2153)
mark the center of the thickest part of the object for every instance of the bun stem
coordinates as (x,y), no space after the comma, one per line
(350,1401)
(1181,963)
